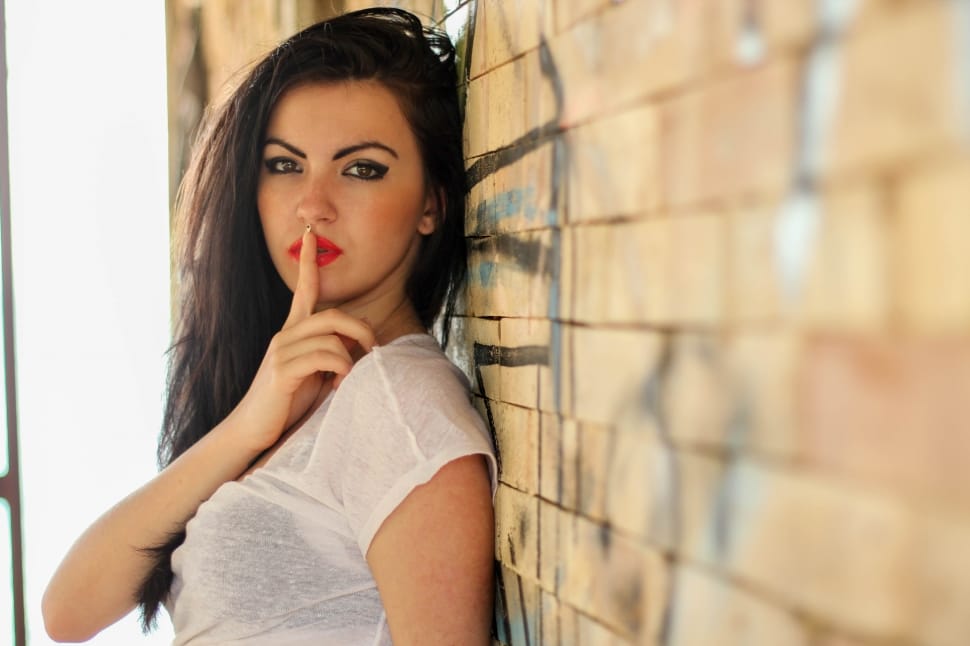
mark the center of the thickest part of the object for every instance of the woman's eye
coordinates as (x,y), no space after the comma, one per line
(282,165)
(366,170)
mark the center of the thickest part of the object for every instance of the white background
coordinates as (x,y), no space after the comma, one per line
(91,256)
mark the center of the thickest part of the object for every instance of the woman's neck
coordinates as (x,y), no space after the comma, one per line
(389,318)
(399,321)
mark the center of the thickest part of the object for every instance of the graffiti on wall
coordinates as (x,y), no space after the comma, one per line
(517,620)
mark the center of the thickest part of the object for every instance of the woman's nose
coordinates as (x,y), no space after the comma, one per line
(316,202)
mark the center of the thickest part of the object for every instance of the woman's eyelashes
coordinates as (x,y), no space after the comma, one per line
(360,169)
(282,165)
(366,169)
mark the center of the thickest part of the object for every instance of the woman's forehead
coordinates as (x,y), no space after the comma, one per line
(339,110)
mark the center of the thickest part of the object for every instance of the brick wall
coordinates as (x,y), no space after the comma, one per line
(719,316)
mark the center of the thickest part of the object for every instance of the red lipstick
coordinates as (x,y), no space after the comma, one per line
(327,251)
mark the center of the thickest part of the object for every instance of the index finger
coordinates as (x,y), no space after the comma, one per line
(307,281)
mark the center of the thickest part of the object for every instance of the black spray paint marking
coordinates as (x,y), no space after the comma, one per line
(529,256)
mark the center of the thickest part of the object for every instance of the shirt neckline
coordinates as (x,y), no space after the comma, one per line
(325,404)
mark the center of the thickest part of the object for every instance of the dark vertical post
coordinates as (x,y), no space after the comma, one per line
(10,483)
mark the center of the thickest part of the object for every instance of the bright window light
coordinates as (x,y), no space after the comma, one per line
(89,192)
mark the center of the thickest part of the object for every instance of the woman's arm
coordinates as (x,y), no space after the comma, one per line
(97,582)
(433,559)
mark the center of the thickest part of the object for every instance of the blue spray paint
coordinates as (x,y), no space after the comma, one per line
(796,228)
(509,204)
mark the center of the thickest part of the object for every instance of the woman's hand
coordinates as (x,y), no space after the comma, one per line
(292,371)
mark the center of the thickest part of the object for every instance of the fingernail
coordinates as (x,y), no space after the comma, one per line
(308,228)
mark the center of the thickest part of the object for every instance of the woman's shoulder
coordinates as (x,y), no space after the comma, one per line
(410,381)
(404,406)
(413,362)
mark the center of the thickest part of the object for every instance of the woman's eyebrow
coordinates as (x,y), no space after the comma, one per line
(343,152)
(293,149)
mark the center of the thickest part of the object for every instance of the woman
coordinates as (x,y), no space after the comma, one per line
(325,479)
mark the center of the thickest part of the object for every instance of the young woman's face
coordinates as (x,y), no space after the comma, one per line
(341,158)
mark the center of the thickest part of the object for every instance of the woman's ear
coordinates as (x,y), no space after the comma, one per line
(434,209)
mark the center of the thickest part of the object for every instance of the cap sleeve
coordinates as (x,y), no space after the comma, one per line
(407,415)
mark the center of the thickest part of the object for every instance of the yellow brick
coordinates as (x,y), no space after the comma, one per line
(549,620)
(655,599)
(517,437)
(753,292)
(566,369)
(521,280)
(593,633)
(942,589)
(932,242)
(697,268)
(568,465)
(529,593)
(235,35)
(774,25)
(620,272)
(848,550)
(550,563)
(696,392)
(847,279)
(480,285)
(697,524)
(658,270)
(504,30)
(479,196)
(614,166)
(641,485)
(568,13)
(474,300)
(602,67)
(527,348)
(486,204)
(541,178)
(535,343)
(495,109)
(732,138)
(551,458)
(514,198)
(569,618)
(519,606)
(764,373)
(542,107)
(594,458)
(467,333)
(710,611)
(610,577)
(476,117)
(516,531)
(890,410)
(505,114)
(547,20)
(839,640)
(610,372)
(890,109)
(424,9)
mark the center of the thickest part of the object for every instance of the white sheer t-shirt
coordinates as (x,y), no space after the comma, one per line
(279,556)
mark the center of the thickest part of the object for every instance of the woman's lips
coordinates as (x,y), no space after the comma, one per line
(327,251)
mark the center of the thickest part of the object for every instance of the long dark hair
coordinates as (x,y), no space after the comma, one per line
(232,300)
